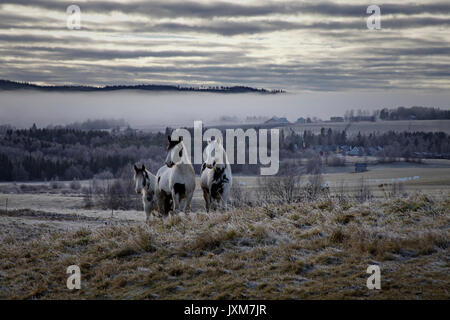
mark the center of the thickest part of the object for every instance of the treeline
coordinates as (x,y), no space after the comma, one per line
(388,144)
(98,124)
(13,85)
(68,154)
(414,113)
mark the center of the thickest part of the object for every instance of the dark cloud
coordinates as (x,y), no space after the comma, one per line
(171,9)
(431,51)
(229,28)
(99,54)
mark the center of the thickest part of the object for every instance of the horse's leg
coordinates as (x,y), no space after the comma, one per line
(223,203)
(183,205)
(225,199)
(166,204)
(176,201)
(187,208)
(162,205)
(213,204)
(147,210)
(206,198)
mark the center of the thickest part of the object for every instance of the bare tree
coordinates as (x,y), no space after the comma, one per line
(282,189)
(363,191)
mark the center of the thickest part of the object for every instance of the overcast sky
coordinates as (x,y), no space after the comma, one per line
(296,45)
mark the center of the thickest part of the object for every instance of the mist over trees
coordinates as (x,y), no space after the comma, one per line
(99,124)
(414,113)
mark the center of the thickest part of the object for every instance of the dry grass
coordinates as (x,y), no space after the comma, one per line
(319,250)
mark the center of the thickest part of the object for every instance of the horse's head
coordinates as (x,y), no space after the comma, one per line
(174,153)
(140,178)
(215,154)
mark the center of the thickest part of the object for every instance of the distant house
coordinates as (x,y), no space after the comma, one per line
(354,152)
(360,167)
(301,120)
(363,118)
(276,120)
(337,119)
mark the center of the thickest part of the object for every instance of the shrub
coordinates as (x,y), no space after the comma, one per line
(75,185)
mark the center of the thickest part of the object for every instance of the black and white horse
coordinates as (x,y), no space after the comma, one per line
(145,184)
(216,178)
(176,180)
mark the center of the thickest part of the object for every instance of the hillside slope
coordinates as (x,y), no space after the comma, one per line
(319,250)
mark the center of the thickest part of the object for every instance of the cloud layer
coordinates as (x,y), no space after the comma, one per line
(296,45)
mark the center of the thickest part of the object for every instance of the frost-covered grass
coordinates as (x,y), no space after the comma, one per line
(317,250)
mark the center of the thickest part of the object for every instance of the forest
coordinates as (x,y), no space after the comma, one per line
(414,113)
(67,153)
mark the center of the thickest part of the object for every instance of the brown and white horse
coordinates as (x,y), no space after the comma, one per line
(177,178)
(216,178)
(146,185)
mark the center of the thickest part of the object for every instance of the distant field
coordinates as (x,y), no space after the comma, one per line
(379,126)
(432,177)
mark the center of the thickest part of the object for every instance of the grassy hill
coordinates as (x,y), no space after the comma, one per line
(317,250)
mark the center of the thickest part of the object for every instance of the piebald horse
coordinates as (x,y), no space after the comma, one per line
(177,178)
(147,186)
(216,176)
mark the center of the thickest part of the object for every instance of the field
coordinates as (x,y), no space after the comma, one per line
(310,250)
(318,250)
(378,126)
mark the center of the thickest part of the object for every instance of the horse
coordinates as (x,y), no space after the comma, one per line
(164,193)
(178,179)
(146,185)
(216,178)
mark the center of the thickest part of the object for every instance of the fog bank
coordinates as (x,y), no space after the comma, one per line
(150,110)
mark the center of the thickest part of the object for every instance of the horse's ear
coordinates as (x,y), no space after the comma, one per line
(136,169)
(143,168)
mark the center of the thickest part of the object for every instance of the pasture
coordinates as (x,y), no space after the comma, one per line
(317,250)
(310,250)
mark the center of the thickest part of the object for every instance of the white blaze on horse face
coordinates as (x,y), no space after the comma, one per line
(139,182)
(208,156)
(174,155)
(214,154)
